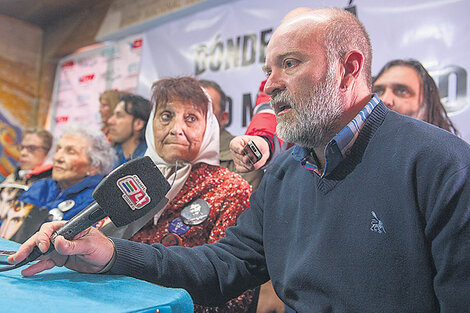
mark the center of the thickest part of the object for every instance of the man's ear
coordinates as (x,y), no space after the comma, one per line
(138,125)
(352,67)
(223,119)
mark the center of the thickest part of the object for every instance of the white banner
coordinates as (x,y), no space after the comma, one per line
(227,44)
(83,76)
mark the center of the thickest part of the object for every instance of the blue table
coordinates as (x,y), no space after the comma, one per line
(62,290)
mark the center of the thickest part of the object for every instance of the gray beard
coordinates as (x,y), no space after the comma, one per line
(314,118)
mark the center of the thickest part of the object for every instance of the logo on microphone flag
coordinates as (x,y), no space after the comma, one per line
(133,191)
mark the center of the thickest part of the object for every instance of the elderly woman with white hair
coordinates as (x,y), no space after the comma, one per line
(81,159)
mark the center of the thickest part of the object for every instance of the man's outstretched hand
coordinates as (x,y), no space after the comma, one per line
(89,252)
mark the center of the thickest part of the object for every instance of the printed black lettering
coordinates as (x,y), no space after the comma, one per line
(247,109)
(452,81)
(201,54)
(211,55)
(229,109)
(232,53)
(263,42)
(249,49)
(216,55)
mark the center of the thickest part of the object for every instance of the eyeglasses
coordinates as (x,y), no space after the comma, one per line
(31,148)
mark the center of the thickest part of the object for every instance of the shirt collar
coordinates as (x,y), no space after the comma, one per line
(338,147)
(121,158)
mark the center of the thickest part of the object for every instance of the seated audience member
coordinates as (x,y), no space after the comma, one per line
(34,148)
(205,198)
(108,101)
(219,102)
(407,88)
(81,159)
(127,127)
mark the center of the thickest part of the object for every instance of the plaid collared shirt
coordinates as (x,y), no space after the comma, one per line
(337,148)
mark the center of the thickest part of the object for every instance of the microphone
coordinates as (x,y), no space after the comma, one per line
(125,195)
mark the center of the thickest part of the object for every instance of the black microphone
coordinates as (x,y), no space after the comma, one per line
(125,194)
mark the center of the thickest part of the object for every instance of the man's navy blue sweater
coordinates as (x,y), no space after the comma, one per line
(387,231)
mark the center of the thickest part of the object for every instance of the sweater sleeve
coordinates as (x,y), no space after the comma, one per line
(448,229)
(212,273)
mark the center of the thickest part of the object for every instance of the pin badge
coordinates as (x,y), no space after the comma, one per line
(196,212)
(171,240)
(178,227)
(57,214)
(66,205)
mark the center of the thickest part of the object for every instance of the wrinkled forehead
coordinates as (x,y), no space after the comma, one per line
(199,99)
(304,21)
(303,18)
(174,103)
(74,140)
(295,34)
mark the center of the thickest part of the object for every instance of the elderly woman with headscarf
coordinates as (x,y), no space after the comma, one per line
(183,140)
(81,159)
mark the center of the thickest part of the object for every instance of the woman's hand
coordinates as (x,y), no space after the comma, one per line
(89,252)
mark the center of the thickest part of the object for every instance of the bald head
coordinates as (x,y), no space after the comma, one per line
(295,13)
(336,29)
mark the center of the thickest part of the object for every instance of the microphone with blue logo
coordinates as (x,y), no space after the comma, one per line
(126,194)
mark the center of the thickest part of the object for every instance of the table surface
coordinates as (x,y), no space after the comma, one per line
(63,290)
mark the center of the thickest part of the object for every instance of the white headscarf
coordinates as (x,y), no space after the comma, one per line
(208,153)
